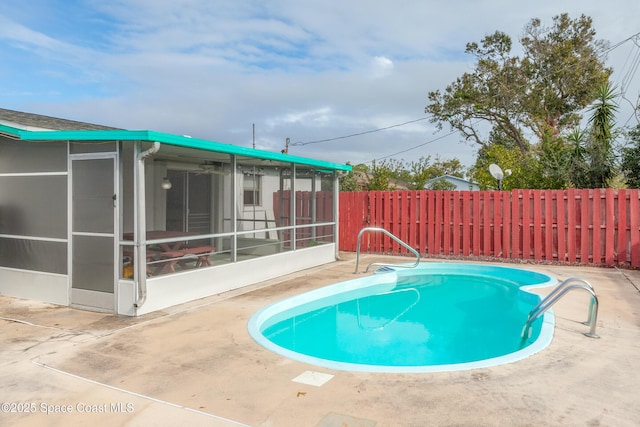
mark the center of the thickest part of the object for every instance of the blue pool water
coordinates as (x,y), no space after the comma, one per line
(436,317)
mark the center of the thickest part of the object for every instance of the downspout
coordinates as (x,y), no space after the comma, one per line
(140,239)
(336,212)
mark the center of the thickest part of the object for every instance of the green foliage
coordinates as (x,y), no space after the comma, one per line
(578,163)
(389,174)
(564,65)
(418,173)
(524,173)
(590,152)
(380,177)
(630,164)
(602,135)
(553,158)
(348,182)
(442,185)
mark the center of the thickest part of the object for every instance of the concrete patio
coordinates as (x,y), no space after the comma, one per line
(195,364)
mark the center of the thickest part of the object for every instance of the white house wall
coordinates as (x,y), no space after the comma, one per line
(33,285)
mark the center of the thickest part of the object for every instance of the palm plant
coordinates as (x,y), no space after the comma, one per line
(602,135)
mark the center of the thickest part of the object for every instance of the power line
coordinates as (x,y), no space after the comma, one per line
(617,45)
(417,146)
(358,134)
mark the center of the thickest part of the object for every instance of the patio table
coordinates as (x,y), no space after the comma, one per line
(172,253)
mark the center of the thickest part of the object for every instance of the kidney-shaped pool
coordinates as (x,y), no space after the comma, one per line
(434,317)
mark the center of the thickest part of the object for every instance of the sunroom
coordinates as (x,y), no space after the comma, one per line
(132,222)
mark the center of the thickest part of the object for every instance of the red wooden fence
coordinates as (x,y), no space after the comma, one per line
(596,227)
(309,210)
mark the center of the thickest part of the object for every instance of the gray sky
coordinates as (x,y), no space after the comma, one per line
(304,70)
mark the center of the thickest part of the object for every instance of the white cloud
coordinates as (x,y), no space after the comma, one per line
(381,66)
(316,117)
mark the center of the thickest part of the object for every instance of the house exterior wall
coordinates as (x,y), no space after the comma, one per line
(460,184)
(36,224)
(33,220)
(34,285)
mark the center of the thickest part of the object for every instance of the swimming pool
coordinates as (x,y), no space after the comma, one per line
(435,317)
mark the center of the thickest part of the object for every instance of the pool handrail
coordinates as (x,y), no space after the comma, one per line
(558,293)
(561,286)
(381,264)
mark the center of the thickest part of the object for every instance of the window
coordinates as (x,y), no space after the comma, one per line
(252,186)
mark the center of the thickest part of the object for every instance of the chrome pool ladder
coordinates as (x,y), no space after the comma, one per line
(381,264)
(558,292)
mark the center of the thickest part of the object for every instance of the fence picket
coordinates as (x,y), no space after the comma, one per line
(585,227)
(506,226)
(487,205)
(538,235)
(516,225)
(609,227)
(549,221)
(456,244)
(561,229)
(476,230)
(446,223)
(634,228)
(623,227)
(496,221)
(596,251)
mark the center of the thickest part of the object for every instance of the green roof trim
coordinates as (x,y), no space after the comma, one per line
(10,130)
(164,138)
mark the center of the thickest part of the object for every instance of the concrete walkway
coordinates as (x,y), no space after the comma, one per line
(195,364)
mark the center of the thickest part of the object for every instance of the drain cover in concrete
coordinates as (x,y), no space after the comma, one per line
(312,378)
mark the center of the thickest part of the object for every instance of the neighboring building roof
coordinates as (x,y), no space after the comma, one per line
(460,183)
(363,178)
(30,121)
(43,128)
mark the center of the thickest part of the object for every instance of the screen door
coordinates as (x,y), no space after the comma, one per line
(93,231)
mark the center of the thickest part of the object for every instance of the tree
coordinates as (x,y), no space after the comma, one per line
(630,164)
(380,176)
(539,94)
(564,65)
(523,173)
(418,173)
(451,167)
(590,154)
(387,174)
(349,181)
(578,165)
(554,162)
